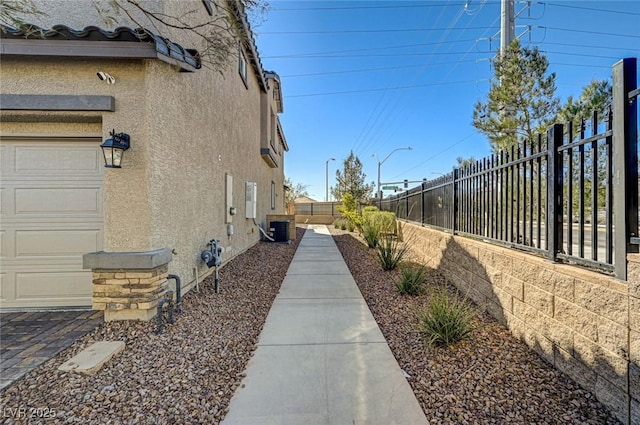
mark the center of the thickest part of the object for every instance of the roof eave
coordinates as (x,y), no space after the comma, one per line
(241,18)
(87,49)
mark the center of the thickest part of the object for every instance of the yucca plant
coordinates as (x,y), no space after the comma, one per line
(447,319)
(390,252)
(411,280)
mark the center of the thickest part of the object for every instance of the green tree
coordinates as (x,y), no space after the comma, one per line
(596,96)
(295,190)
(462,162)
(521,101)
(352,180)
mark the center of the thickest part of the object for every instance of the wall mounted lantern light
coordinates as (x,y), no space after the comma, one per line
(113,149)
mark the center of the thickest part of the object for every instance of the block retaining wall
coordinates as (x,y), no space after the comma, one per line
(584,323)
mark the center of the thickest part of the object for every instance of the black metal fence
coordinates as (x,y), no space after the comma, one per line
(568,195)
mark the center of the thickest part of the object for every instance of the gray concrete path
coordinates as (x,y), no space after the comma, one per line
(321,358)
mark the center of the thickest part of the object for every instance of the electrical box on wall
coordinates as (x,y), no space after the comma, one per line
(252,200)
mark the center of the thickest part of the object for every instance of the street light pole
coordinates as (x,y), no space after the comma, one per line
(326,175)
(408,148)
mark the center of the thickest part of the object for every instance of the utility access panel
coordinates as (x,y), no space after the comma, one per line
(252,199)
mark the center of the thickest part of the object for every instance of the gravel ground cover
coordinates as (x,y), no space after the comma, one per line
(186,375)
(491,378)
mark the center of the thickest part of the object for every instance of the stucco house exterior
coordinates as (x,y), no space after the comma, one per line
(200,140)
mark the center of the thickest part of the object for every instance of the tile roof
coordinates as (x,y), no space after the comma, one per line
(92,33)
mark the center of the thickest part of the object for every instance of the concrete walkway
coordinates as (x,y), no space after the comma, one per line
(321,358)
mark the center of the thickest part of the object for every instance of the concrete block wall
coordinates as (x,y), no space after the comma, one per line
(584,323)
(315,219)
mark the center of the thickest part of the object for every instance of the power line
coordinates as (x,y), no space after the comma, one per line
(402,46)
(367,31)
(374,55)
(389,68)
(392,30)
(591,8)
(388,88)
(582,65)
(584,46)
(404,6)
(590,32)
(580,54)
(393,103)
(434,155)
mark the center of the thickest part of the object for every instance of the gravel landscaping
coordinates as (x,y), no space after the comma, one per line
(491,378)
(188,374)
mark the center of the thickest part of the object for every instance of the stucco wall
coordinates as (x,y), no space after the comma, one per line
(584,323)
(205,127)
(126,191)
(188,130)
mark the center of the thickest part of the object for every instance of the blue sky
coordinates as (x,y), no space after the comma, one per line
(373,76)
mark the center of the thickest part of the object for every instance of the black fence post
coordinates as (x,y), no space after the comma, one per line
(454,201)
(554,191)
(625,163)
(406,204)
(421,193)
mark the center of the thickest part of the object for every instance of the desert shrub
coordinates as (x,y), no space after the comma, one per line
(447,319)
(375,224)
(341,223)
(390,251)
(367,211)
(370,233)
(385,221)
(411,280)
(349,210)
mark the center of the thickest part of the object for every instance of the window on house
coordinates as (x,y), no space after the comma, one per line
(273,195)
(242,66)
(272,136)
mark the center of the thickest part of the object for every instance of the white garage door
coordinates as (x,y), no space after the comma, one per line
(51,213)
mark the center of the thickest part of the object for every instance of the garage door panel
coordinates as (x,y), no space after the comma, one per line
(51,285)
(58,200)
(56,242)
(51,213)
(56,160)
(3,241)
(4,293)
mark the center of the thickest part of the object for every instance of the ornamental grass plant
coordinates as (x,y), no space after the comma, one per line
(447,319)
(411,280)
(390,251)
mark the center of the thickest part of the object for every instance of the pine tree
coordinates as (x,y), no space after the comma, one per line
(596,96)
(521,102)
(352,180)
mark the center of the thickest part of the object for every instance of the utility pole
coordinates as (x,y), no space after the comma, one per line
(326,176)
(507,24)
